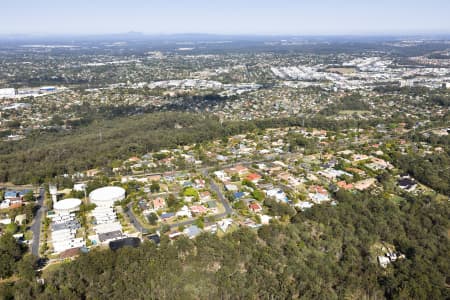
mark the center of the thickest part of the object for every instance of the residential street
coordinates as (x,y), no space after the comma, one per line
(214,187)
(36,226)
(137,225)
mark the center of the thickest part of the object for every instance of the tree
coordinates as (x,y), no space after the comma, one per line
(200,223)
(249,183)
(258,195)
(154,187)
(172,201)
(235,178)
(191,192)
(152,218)
(57,120)
(26,267)
(12,228)
(343,195)
(13,124)
(29,196)
(239,205)
(10,253)
(278,209)
(230,196)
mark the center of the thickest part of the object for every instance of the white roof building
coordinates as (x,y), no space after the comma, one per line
(110,227)
(7,93)
(79,187)
(67,205)
(106,196)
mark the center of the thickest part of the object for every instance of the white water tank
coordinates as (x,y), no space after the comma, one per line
(67,206)
(106,196)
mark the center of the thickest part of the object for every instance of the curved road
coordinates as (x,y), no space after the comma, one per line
(137,225)
(213,186)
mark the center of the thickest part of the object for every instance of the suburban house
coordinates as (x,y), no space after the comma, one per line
(344,185)
(212,205)
(278,194)
(253,177)
(198,209)
(184,212)
(255,207)
(364,184)
(407,183)
(205,196)
(159,203)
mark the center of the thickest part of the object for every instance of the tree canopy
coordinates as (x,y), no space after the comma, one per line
(323,253)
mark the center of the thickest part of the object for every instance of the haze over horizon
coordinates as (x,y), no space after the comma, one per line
(323,17)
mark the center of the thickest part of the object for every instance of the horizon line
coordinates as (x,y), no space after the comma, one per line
(149,34)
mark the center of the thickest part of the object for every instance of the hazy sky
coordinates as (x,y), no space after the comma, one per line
(225,16)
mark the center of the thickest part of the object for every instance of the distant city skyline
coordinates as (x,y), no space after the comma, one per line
(282,17)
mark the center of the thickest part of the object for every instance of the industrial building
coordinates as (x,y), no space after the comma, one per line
(7,93)
(47,89)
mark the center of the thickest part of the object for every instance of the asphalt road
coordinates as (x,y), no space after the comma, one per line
(214,187)
(225,203)
(137,225)
(36,226)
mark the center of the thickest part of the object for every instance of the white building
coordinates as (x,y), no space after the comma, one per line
(106,196)
(68,244)
(107,227)
(7,93)
(303,205)
(79,187)
(278,194)
(63,231)
(67,206)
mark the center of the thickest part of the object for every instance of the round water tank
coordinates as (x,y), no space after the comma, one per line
(67,205)
(106,196)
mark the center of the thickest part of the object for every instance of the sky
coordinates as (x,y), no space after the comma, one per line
(290,17)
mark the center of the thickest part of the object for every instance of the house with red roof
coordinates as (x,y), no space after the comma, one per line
(253,177)
(318,189)
(344,185)
(198,209)
(255,207)
(159,203)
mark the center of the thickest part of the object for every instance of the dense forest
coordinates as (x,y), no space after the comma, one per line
(429,170)
(11,254)
(351,102)
(323,253)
